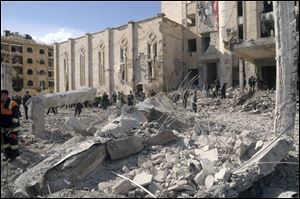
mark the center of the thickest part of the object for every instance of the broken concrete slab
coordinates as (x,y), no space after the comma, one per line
(122,187)
(208,166)
(155,187)
(122,148)
(143,179)
(60,169)
(274,152)
(36,104)
(125,169)
(161,138)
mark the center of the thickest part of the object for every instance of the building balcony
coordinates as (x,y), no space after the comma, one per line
(4,51)
(51,78)
(17,64)
(17,53)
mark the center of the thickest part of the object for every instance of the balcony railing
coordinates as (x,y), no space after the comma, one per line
(17,64)
(17,53)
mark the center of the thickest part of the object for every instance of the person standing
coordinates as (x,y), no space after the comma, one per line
(130,99)
(78,109)
(26,97)
(223,91)
(10,126)
(194,105)
(105,100)
(114,97)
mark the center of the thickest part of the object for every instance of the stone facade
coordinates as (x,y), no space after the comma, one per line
(31,63)
(139,55)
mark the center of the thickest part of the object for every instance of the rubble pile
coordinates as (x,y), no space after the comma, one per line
(154,149)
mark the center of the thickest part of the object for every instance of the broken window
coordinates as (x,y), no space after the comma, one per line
(123,64)
(42,52)
(29,72)
(267,6)
(42,84)
(29,50)
(240,8)
(205,42)
(191,20)
(29,61)
(42,73)
(50,74)
(30,83)
(241,31)
(13,49)
(42,62)
(82,68)
(150,70)
(155,50)
(192,45)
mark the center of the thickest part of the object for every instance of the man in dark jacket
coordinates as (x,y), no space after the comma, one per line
(25,99)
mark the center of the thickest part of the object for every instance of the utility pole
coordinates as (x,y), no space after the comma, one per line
(286,67)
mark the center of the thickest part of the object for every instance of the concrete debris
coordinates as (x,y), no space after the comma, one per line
(122,148)
(143,179)
(223,150)
(122,187)
(161,138)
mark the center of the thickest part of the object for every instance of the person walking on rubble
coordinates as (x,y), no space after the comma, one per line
(250,82)
(26,97)
(223,91)
(207,87)
(105,100)
(78,109)
(130,99)
(10,126)
(194,105)
(114,97)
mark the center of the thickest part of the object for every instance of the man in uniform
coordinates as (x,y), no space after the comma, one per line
(10,126)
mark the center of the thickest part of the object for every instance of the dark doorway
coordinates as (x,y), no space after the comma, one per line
(211,72)
(139,88)
(269,77)
(193,73)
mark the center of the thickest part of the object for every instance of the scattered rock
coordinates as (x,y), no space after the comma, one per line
(143,179)
(161,138)
(209,181)
(122,187)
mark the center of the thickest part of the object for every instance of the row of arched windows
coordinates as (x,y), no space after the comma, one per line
(29,61)
(30,83)
(41,72)
(42,51)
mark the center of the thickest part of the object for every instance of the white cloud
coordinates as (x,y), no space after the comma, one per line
(60,35)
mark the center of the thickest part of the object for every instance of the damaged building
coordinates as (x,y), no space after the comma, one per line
(137,56)
(229,41)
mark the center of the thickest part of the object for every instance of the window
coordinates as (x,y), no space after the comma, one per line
(51,84)
(42,73)
(29,61)
(101,68)
(42,52)
(29,50)
(50,63)
(82,68)
(240,8)
(191,21)
(42,62)
(155,50)
(49,54)
(30,83)
(241,31)
(29,72)
(268,6)
(13,49)
(149,50)
(192,45)
(205,42)
(50,74)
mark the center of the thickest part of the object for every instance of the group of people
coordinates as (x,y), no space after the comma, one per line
(215,89)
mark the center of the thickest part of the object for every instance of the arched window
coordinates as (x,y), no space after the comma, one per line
(29,72)
(29,61)
(29,50)
(82,68)
(42,62)
(42,73)
(30,83)
(42,51)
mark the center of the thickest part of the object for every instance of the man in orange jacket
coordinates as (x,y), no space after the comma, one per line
(10,126)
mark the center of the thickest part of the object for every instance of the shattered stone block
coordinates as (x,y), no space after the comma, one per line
(122,187)
(200,178)
(161,138)
(209,181)
(143,179)
(223,174)
(122,148)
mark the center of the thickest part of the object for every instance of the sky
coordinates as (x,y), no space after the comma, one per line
(56,21)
